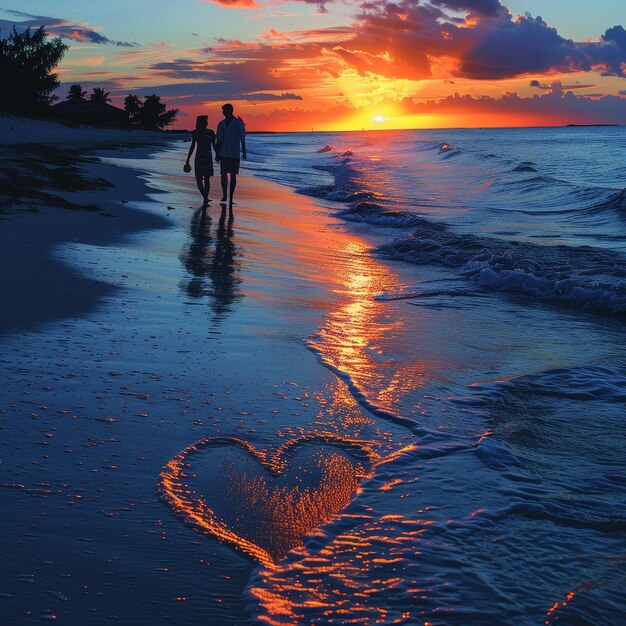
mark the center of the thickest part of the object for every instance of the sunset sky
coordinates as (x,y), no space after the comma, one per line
(348,64)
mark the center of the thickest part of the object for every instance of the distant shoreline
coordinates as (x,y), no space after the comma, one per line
(588,125)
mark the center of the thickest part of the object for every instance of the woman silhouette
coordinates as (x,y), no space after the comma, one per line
(202,140)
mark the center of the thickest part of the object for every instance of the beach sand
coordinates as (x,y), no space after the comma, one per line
(138,329)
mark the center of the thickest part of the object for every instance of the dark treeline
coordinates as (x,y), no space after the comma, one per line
(27,61)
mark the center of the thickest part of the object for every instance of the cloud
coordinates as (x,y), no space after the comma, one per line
(252,4)
(616,35)
(235,4)
(272,33)
(489,44)
(528,45)
(199,93)
(538,85)
(557,86)
(479,7)
(508,110)
(58,27)
(557,107)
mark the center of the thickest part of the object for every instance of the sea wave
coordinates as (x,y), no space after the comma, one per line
(581,383)
(578,277)
(582,278)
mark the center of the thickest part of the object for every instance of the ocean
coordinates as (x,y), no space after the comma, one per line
(500,345)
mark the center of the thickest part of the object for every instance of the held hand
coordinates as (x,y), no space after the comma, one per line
(244,156)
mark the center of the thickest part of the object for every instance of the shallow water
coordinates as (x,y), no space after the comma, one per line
(499,343)
(437,352)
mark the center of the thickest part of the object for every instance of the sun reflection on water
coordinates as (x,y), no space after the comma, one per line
(264,502)
(360,336)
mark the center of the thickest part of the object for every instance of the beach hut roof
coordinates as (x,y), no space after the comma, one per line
(86,111)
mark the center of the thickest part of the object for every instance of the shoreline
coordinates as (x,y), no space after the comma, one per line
(181,333)
(55,193)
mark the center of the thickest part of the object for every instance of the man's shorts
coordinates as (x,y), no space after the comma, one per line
(229,165)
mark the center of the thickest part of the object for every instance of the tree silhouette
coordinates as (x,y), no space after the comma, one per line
(149,114)
(154,113)
(26,63)
(132,105)
(100,96)
(76,93)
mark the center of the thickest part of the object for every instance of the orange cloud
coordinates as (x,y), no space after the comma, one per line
(235,4)
(273,34)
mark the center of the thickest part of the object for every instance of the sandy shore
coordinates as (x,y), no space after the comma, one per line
(135,331)
(18,130)
(55,190)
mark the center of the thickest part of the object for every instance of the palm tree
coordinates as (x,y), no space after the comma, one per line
(154,113)
(99,96)
(132,105)
(150,114)
(76,93)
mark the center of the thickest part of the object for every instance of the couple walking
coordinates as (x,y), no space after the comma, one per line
(231,134)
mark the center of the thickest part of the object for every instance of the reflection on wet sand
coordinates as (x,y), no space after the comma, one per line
(253,499)
(357,339)
(264,503)
(213,265)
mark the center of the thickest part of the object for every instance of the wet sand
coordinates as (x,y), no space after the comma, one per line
(135,332)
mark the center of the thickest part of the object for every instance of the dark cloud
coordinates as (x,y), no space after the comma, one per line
(489,44)
(557,86)
(241,76)
(558,106)
(480,7)
(394,40)
(58,27)
(616,35)
(193,93)
(510,48)
(252,80)
(528,45)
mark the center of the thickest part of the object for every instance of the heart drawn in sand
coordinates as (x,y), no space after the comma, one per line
(264,503)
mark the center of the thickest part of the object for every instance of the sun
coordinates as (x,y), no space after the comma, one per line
(378,119)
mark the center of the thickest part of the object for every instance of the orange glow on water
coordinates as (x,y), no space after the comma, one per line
(353,582)
(278,503)
(354,332)
(558,605)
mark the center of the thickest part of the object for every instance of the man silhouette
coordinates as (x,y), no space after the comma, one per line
(231,134)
